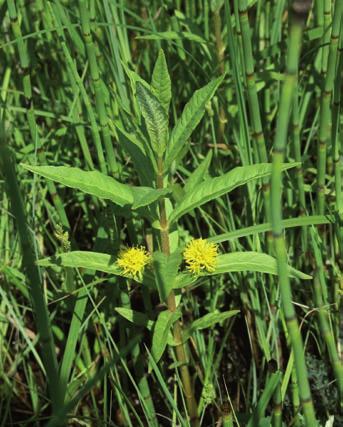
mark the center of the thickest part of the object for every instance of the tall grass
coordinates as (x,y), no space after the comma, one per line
(151,124)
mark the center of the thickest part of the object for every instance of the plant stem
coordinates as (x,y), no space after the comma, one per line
(320,287)
(142,380)
(24,61)
(32,272)
(253,102)
(329,68)
(300,10)
(336,144)
(97,86)
(171,303)
(220,48)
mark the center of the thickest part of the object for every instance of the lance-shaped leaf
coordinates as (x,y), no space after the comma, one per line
(211,319)
(252,261)
(100,185)
(248,261)
(144,196)
(212,188)
(166,268)
(141,155)
(161,81)
(155,117)
(91,182)
(162,327)
(136,317)
(94,261)
(83,259)
(189,120)
(200,173)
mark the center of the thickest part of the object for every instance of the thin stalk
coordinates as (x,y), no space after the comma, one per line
(75,75)
(337,150)
(181,356)
(300,10)
(32,272)
(253,102)
(277,407)
(299,169)
(24,60)
(325,111)
(142,380)
(266,45)
(97,86)
(220,49)
(324,317)
(295,397)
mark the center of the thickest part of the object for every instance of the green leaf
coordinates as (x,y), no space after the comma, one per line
(155,117)
(240,261)
(199,174)
(301,221)
(161,81)
(189,120)
(161,331)
(166,268)
(251,261)
(144,196)
(210,319)
(93,261)
(90,182)
(83,259)
(212,188)
(138,152)
(173,35)
(136,317)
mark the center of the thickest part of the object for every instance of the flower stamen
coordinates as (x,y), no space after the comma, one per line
(132,262)
(200,256)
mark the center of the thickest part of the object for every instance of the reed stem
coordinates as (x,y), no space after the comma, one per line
(299,14)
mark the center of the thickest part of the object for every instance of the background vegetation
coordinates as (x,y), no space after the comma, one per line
(80,344)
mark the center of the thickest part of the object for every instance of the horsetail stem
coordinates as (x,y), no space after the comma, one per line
(97,86)
(253,102)
(328,69)
(299,14)
(32,272)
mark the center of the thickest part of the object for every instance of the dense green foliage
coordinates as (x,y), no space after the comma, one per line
(128,131)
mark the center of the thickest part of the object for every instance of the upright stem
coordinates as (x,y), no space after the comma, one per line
(329,68)
(300,10)
(320,287)
(35,286)
(220,48)
(24,61)
(142,379)
(171,303)
(97,86)
(253,102)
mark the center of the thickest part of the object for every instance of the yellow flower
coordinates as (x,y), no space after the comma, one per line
(200,256)
(132,261)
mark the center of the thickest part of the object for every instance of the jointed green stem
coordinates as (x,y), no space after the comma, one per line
(324,317)
(287,97)
(33,275)
(96,80)
(253,102)
(325,111)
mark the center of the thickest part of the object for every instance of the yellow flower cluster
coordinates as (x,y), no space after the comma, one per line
(132,262)
(200,256)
